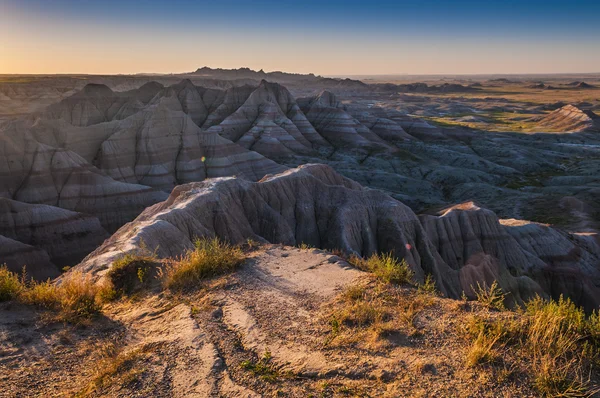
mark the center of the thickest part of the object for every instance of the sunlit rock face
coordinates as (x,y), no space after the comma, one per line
(569,118)
(461,248)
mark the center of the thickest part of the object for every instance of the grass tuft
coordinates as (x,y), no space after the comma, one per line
(209,258)
(555,338)
(75,299)
(484,348)
(428,286)
(386,267)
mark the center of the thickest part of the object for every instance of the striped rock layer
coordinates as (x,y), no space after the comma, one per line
(569,118)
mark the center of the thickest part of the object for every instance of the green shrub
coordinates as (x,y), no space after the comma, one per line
(262,368)
(428,286)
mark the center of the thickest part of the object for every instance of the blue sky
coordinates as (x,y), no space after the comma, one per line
(326,37)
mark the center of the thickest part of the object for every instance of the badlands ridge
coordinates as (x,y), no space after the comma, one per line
(166,164)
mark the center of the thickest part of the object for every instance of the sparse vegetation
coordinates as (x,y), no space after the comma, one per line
(131,271)
(209,258)
(262,368)
(428,286)
(10,284)
(484,348)
(386,267)
(372,314)
(490,296)
(554,338)
(73,299)
(113,364)
(305,246)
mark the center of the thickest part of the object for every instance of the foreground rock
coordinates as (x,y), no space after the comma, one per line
(314,205)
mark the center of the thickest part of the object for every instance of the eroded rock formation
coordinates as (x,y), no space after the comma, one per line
(569,118)
(312,204)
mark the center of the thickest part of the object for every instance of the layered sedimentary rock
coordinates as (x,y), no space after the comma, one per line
(51,229)
(110,155)
(312,204)
(33,172)
(570,119)
(270,122)
(337,126)
(18,256)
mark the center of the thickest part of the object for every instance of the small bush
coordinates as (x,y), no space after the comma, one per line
(210,257)
(492,296)
(131,272)
(78,297)
(556,335)
(41,294)
(386,267)
(10,284)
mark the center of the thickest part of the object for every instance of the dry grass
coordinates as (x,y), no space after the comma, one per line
(369,315)
(112,365)
(75,299)
(386,267)
(11,284)
(210,257)
(484,349)
(553,340)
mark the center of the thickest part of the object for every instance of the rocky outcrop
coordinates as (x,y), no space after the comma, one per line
(570,119)
(312,204)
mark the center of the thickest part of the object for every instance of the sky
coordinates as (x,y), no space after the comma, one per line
(326,37)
